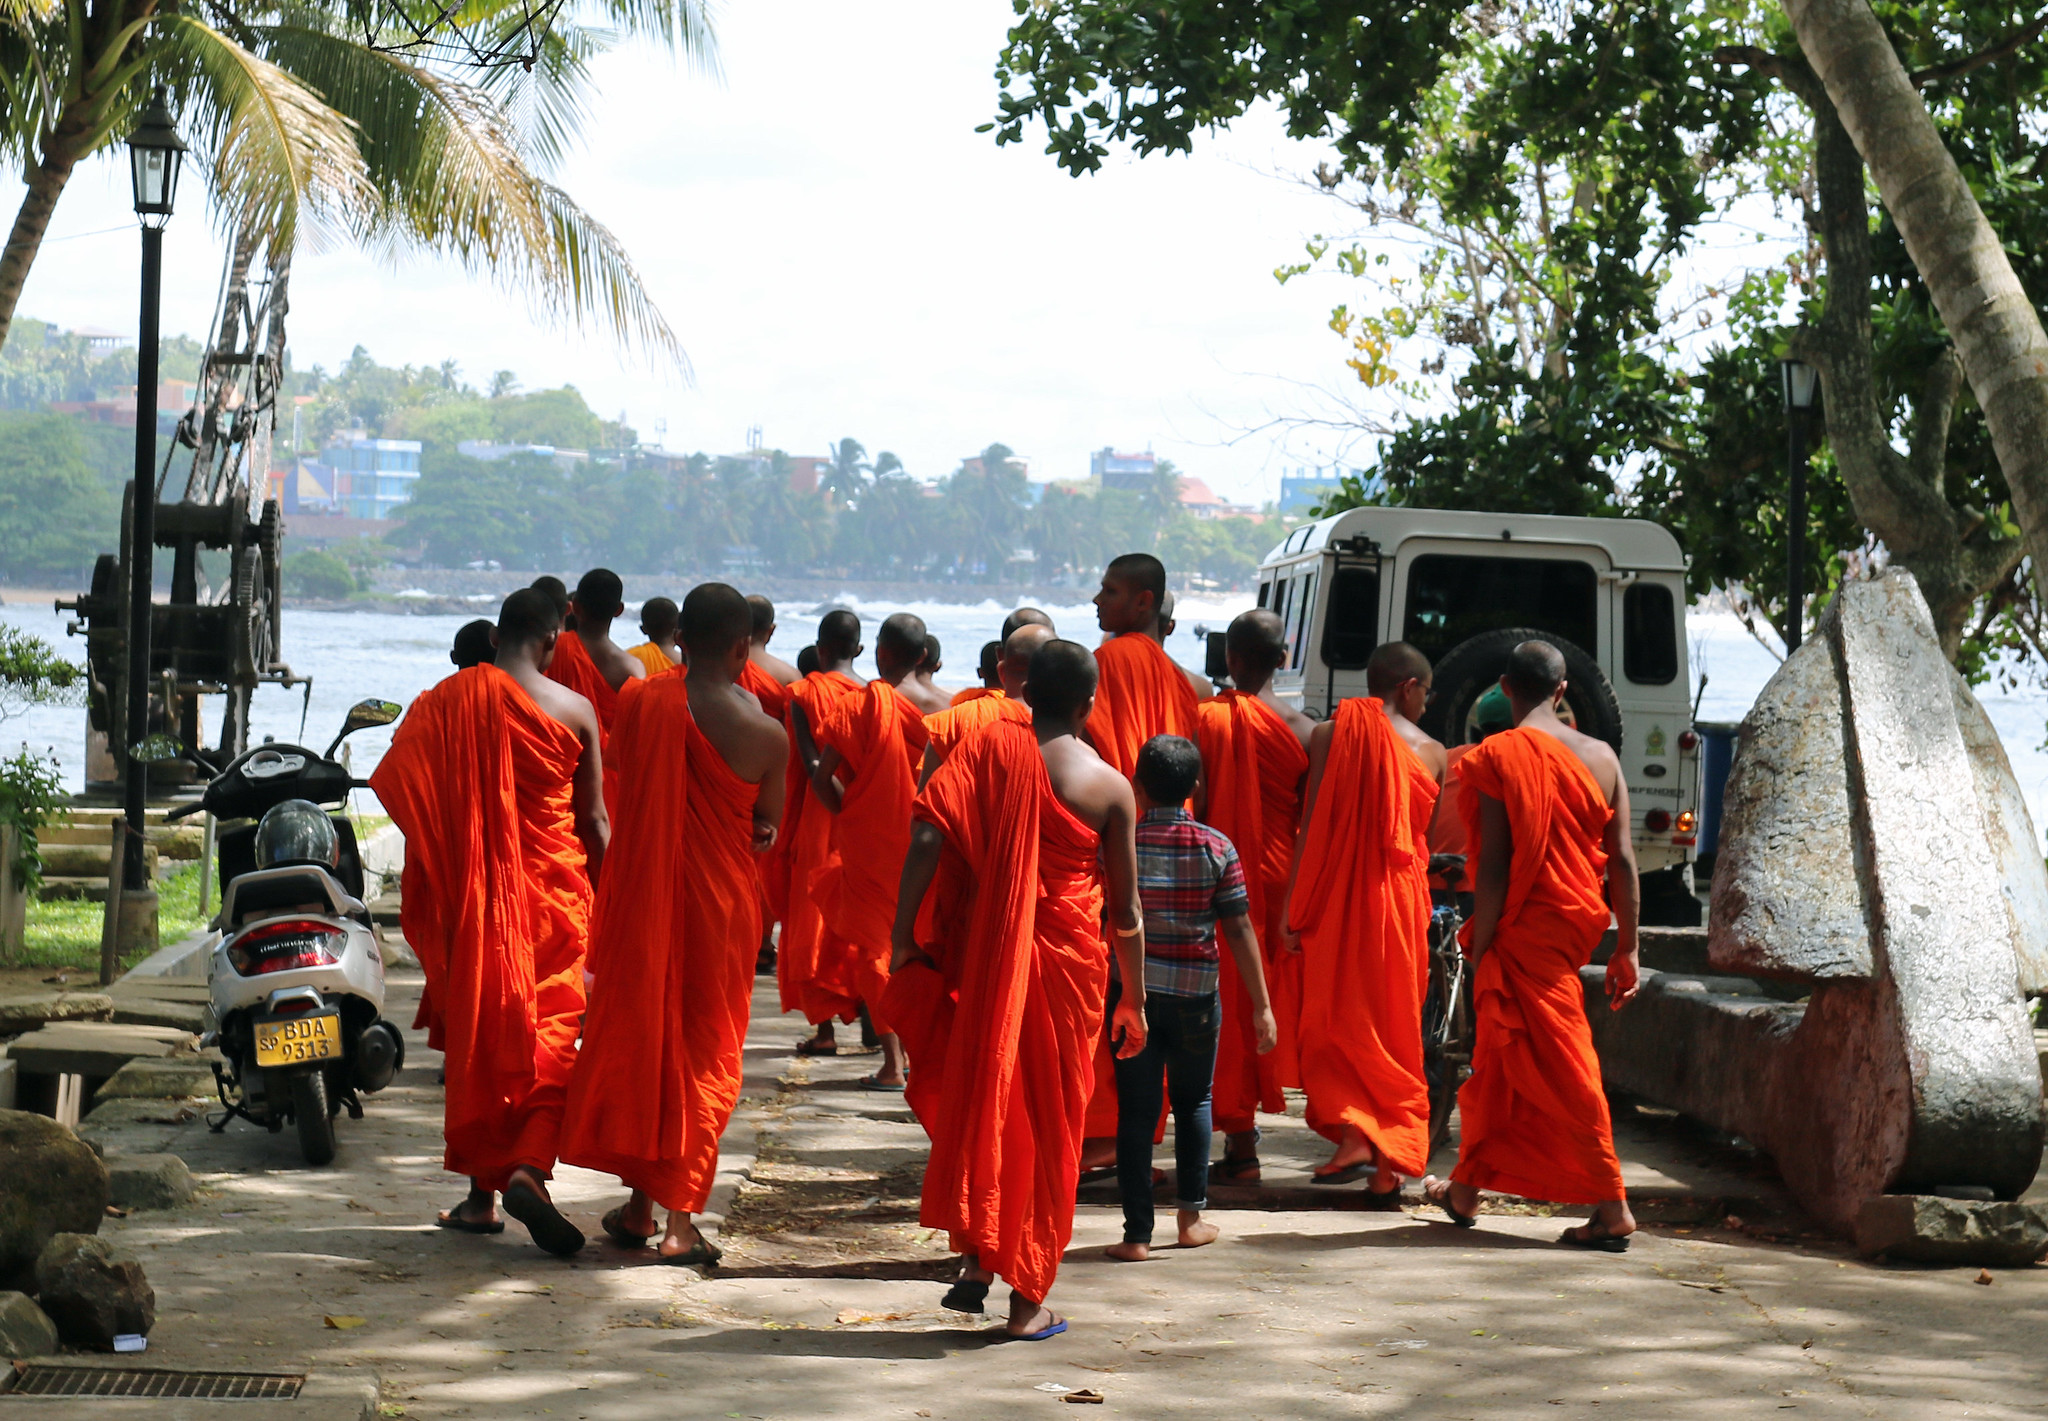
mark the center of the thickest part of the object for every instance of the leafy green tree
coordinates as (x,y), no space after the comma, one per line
(557,418)
(315,572)
(465,510)
(55,514)
(847,477)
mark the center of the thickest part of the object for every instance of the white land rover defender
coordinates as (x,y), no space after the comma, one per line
(1464,588)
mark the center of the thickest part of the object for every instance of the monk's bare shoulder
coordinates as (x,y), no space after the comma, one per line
(569,707)
(1292,718)
(1201,685)
(614,662)
(1597,756)
(1424,745)
(775,666)
(750,741)
(1083,781)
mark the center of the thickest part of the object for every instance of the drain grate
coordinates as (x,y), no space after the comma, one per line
(38,1379)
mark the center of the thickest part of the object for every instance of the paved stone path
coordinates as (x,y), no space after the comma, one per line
(828,1304)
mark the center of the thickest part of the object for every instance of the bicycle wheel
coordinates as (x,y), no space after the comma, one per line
(1446,1015)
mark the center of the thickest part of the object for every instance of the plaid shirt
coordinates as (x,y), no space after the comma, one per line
(1188,877)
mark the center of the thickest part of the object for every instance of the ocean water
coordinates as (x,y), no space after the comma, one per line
(351,655)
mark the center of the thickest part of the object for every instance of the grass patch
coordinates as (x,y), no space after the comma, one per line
(66,932)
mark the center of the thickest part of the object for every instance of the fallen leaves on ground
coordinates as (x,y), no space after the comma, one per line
(343,1324)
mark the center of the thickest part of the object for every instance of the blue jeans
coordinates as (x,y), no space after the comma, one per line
(1180,1045)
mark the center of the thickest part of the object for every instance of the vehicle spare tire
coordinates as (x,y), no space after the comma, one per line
(1468,668)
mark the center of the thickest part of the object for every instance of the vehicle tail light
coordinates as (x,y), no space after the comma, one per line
(1688,740)
(293,1006)
(1657,821)
(1682,831)
(286,945)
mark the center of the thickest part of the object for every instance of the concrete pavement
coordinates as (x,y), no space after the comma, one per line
(1728,1305)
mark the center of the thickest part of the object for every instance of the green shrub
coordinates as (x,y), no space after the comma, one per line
(318,573)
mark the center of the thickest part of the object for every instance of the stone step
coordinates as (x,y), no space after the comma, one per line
(25,1011)
(95,1049)
(176,841)
(86,860)
(67,889)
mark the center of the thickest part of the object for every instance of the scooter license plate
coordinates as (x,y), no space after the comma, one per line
(296,1040)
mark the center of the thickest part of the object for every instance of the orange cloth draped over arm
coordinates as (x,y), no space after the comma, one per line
(652,657)
(1532,1117)
(479,780)
(880,737)
(946,729)
(1361,905)
(1254,764)
(812,965)
(572,667)
(1140,692)
(676,929)
(1004,1071)
(972,693)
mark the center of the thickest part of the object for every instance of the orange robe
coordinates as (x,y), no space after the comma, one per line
(672,959)
(1003,1028)
(946,729)
(1361,905)
(972,693)
(652,657)
(772,866)
(1141,692)
(880,737)
(812,965)
(571,666)
(1255,766)
(1447,833)
(1533,1118)
(480,781)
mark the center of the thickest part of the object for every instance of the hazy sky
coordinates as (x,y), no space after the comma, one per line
(842,254)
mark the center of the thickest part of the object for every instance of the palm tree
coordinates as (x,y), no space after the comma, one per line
(845,479)
(302,127)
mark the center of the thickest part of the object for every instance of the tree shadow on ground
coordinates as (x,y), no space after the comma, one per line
(895,1270)
(929,1346)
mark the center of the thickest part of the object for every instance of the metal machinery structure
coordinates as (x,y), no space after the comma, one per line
(214,640)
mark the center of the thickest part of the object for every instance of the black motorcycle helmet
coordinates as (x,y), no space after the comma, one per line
(297,831)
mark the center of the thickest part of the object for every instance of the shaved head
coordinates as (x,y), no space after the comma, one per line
(838,635)
(658,617)
(991,659)
(899,645)
(1258,636)
(1143,572)
(763,613)
(554,589)
(934,655)
(600,593)
(527,615)
(714,620)
(1024,616)
(1393,663)
(1534,672)
(1061,680)
(1015,667)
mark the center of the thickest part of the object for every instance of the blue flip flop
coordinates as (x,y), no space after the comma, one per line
(1055,1330)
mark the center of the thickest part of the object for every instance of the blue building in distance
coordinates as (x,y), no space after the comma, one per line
(1301,490)
(356,478)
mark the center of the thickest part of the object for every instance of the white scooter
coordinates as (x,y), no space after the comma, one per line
(296,981)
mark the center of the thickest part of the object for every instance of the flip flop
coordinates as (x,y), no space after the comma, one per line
(874,1082)
(1242,1170)
(455,1223)
(809,1047)
(543,1220)
(965,1296)
(1443,1201)
(615,1229)
(1596,1239)
(701,1254)
(1345,1175)
(1039,1336)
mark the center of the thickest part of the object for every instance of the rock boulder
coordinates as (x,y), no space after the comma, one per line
(50,1183)
(25,1329)
(93,1291)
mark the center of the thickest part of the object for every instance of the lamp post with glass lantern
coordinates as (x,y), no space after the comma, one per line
(154,154)
(1802,384)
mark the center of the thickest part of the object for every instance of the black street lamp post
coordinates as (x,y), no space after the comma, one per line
(1802,384)
(154,154)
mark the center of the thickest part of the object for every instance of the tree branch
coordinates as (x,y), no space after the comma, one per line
(1971,63)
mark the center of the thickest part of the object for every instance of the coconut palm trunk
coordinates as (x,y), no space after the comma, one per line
(1996,331)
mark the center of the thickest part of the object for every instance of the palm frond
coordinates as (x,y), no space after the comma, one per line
(282,162)
(22,14)
(450,178)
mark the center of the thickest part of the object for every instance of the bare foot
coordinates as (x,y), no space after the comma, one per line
(1610,1220)
(895,1063)
(682,1237)
(1028,1318)
(1384,1181)
(821,1042)
(1449,1194)
(971,1270)
(1098,1153)
(1194,1233)
(1129,1252)
(636,1215)
(1352,1149)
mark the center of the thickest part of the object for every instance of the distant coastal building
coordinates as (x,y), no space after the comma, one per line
(1125,471)
(173,398)
(354,477)
(1198,499)
(1301,490)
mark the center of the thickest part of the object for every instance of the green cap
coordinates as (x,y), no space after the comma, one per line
(1493,713)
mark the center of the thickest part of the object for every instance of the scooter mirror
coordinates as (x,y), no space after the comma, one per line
(361,716)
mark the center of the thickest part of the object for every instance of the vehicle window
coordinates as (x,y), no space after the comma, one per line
(1265,591)
(1304,612)
(1351,626)
(1649,635)
(1282,589)
(1453,597)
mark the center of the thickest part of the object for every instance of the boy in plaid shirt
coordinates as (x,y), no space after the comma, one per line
(1190,883)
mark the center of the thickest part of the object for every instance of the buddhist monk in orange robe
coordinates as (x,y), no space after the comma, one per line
(495,779)
(1143,693)
(658,624)
(1548,809)
(1001,1001)
(1358,913)
(814,965)
(763,613)
(589,662)
(1254,762)
(991,684)
(946,730)
(918,687)
(676,929)
(865,752)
